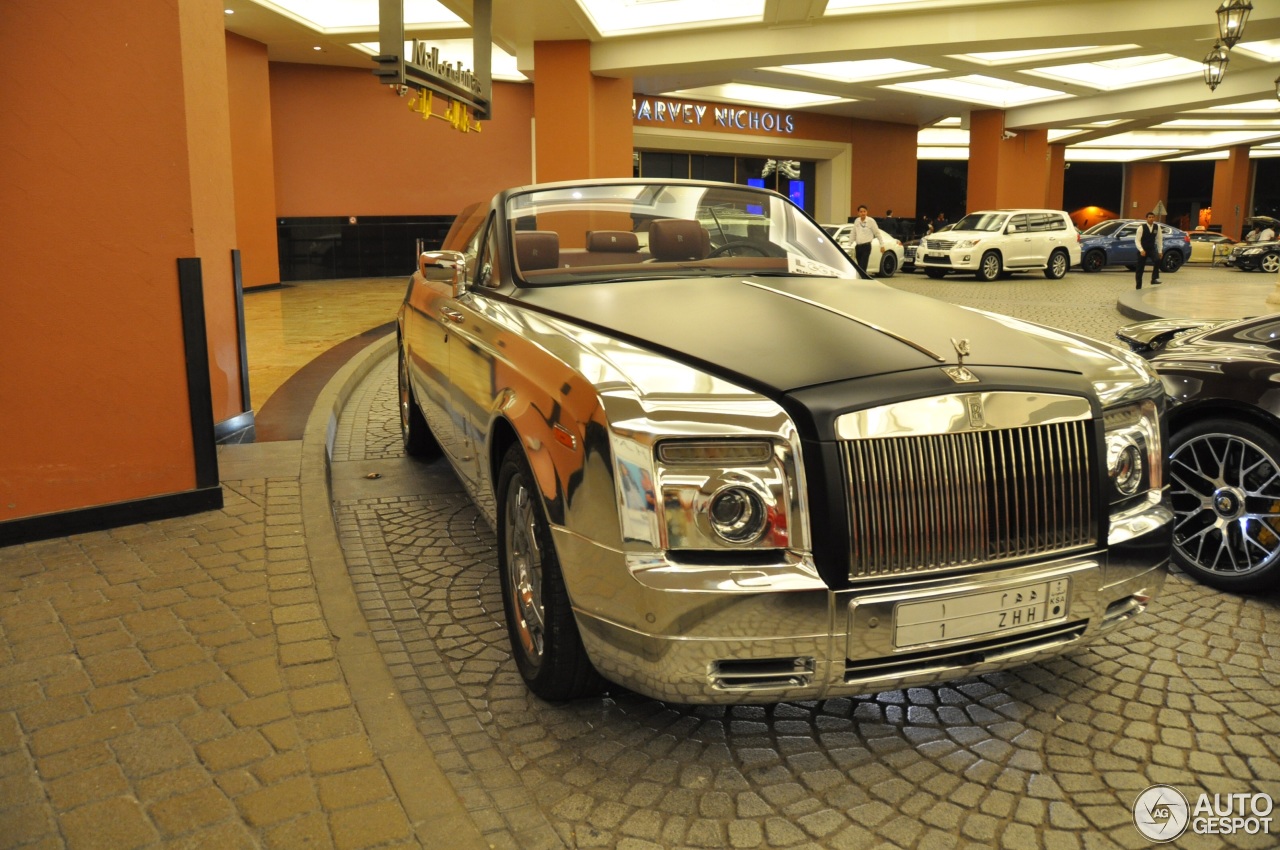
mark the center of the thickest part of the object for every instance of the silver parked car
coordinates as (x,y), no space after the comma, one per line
(723,468)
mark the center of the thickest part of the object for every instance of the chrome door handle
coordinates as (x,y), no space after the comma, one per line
(451,314)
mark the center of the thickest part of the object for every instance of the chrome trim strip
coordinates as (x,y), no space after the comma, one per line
(951,414)
(902,339)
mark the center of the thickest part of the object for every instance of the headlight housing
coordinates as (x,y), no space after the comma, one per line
(967,243)
(726,493)
(1135,463)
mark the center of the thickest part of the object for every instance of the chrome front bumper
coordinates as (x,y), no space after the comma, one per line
(709,637)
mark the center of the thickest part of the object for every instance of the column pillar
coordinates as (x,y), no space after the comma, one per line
(1012,172)
(582,123)
(1145,183)
(1231,182)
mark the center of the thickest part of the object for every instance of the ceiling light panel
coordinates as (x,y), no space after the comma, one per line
(979,89)
(614,17)
(1112,74)
(1081,154)
(1012,57)
(1268,51)
(1184,140)
(855,72)
(330,15)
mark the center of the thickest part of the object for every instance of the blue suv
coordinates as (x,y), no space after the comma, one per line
(1110,243)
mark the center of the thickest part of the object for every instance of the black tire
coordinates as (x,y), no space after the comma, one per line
(1224,484)
(989,267)
(1270,263)
(936,274)
(1094,260)
(1171,261)
(888,264)
(544,636)
(1057,267)
(417,437)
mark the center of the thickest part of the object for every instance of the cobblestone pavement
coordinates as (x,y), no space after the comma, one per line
(1050,755)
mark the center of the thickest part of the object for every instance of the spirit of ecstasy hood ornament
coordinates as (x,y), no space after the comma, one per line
(960,373)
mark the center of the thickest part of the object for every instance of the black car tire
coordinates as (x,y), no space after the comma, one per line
(1224,485)
(988,267)
(544,636)
(1094,260)
(1057,266)
(936,274)
(417,436)
(888,264)
(1270,263)
(1171,261)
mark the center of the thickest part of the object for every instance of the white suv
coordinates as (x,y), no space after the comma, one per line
(988,244)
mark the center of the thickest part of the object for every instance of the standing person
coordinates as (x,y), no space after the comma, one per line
(864,230)
(1150,244)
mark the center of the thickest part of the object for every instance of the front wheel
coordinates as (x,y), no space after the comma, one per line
(888,264)
(1271,263)
(544,635)
(988,267)
(1057,268)
(1225,490)
(1094,261)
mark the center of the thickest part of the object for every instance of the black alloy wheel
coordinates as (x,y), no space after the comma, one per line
(1224,485)
(1094,260)
(888,264)
(1172,261)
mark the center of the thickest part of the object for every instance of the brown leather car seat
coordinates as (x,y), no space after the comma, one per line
(612,241)
(672,239)
(537,249)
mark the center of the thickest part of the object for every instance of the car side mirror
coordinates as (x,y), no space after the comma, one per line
(450,266)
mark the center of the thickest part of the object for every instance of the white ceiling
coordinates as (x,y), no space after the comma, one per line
(1114,81)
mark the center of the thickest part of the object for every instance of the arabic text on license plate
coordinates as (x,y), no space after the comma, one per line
(972,614)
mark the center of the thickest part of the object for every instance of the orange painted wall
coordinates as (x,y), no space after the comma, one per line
(204,77)
(1144,184)
(1006,173)
(252,168)
(1231,182)
(582,122)
(97,209)
(884,167)
(345,145)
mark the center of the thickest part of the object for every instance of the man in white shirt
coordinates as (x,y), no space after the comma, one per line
(1150,243)
(1267,235)
(864,230)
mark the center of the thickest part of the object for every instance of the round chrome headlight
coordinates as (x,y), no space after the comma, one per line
(1127,471)
(738,515)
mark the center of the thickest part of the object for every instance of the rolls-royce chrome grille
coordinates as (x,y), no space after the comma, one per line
(946,501)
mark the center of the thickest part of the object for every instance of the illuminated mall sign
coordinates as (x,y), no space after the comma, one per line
(714,117)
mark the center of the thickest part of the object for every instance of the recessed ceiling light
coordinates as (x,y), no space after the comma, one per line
(229,11)
(317,47)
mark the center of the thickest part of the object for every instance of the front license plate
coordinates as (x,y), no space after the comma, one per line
(937,258)
(976,614)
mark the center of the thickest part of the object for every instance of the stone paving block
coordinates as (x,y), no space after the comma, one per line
(117,823)
(152,750)
(280,802)
(257,678)
(81,731)
(235,750)
(25,825)
(320,698)
(161,786)
(181,680)
(310,830)
(170,709)
(49,712)
(121,665)
(340,754)
(192,810)
(368,826)
(353,787)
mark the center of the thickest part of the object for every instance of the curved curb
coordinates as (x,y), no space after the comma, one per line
(428,798)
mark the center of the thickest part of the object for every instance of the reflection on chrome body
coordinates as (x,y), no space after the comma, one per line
(731,528)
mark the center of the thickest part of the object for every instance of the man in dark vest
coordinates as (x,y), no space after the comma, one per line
(1150,250)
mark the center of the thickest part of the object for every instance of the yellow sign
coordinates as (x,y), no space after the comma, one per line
(456,113)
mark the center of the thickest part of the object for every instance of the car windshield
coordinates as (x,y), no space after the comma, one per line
(1103,228)
(632,230)
(991,221)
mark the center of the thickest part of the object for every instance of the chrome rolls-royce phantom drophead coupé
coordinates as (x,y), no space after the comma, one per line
(722,467)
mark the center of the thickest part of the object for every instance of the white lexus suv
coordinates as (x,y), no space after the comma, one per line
(998,242)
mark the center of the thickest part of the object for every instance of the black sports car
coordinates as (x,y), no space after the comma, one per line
(1223,381)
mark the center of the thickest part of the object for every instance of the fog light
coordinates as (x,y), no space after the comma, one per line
(738,515)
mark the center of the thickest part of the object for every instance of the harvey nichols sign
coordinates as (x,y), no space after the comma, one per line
(698,115)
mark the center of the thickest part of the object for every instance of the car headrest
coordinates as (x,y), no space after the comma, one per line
(537,249)
(616,241)
(672,239)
